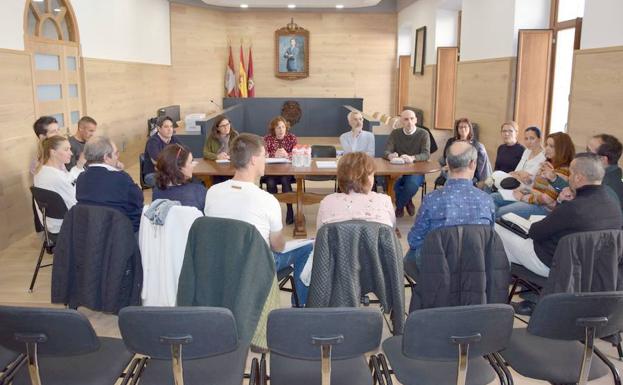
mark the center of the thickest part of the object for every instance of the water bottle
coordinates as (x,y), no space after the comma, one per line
(308,156)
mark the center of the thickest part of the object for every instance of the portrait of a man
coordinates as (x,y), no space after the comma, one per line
(293,53)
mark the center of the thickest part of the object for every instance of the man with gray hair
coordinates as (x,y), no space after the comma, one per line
(458,203)
(105,184)
(593,209)
(356,139)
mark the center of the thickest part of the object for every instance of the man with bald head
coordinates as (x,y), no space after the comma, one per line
(459,203)
(411,144)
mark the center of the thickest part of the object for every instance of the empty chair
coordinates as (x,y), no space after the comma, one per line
(51,205)
(296,338)
(549,348)
(321,151)
(192,345)
(435,339)
(62,347)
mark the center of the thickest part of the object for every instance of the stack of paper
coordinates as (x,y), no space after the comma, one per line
(326,164)
(277,160)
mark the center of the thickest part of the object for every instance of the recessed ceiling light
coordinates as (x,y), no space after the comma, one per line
(244,5)
(57,9)
(339,6)
(291,6)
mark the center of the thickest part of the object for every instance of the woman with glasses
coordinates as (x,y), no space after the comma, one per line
(217,142)
(510,152)
(174,172)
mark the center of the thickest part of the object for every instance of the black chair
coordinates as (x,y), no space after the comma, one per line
(61,346)
(53,206)
(310,345)
(193,345)
(285,276)
(447,345)
(141,165)
(10,362)
(558,344)
(321,151)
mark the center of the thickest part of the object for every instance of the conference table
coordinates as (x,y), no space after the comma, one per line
(206,169)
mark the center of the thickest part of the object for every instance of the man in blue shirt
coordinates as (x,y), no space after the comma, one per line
(458,203)
(356,139)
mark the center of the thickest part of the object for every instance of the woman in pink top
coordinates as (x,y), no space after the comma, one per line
(355,176)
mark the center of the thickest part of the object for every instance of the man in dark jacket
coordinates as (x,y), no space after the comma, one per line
(593,209)
(609,149)
(104,183)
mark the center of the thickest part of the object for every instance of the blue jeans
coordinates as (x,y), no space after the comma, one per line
(298,258)
(149,180)
(522,209)
(406,187)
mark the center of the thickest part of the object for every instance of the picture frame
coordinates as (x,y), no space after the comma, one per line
(292,52)
(419,51)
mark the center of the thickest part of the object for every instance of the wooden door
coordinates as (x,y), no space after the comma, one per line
(534,50)
(404,73)
(445,87)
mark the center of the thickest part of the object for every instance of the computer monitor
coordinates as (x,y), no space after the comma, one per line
(171,111)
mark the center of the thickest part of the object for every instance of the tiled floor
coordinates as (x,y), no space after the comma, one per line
(17,263)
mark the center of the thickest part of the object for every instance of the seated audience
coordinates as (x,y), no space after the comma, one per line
(458,203)
(550,181)
(356,139)
(86,129)
(174,172)
(104,183)
(355,176)
(217,142)
(52,175)
(279,143)
(510,152)
(44,127)
(593,209)
(532,157)
(240,198)
(463,130)
(163,137)
(411,144)
(609,149)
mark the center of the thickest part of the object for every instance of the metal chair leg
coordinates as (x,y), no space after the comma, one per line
(590,325)
(36,272)
(494,364)
(610,365)
(387,372)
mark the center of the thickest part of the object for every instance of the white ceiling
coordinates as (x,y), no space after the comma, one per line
(298,3)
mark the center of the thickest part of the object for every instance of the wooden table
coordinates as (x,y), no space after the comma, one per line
(205,169)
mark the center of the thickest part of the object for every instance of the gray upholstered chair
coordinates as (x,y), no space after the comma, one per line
(328,344)
(193,345)
(322,151)
(549,348)
(434,338)
(61,346)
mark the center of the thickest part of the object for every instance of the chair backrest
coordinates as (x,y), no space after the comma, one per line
(321,151)
(556,315)
(429,333)
(203,331)
(58,332)
(51,201)
(290,331)
(141,165)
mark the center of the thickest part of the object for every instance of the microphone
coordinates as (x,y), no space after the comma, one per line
(216,104)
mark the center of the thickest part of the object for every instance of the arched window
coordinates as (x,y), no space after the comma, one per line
(51,37)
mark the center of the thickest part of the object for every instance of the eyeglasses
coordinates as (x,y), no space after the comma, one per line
(507,131)
(224,125)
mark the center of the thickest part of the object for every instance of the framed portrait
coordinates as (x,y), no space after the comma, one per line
(419,51)
(291,52)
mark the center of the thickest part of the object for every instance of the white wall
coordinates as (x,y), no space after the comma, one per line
(446,27)
(602,26)
(530,14)
(419,14)
(487,28)
(136,30)
(12,25)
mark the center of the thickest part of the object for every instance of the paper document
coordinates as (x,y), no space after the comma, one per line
(296,243)
(507,195)
(222,161)
(326,164)
(277,160)
(522,222)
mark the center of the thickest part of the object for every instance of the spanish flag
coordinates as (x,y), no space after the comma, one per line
(242,76)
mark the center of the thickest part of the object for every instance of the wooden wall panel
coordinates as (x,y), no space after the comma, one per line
(445,87)
(121,96)
(404,75)
(596,103)
(352,55)
(17,145)
(485,95)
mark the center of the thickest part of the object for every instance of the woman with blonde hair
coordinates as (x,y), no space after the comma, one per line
(355,177)
(52,175)
(510,152)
